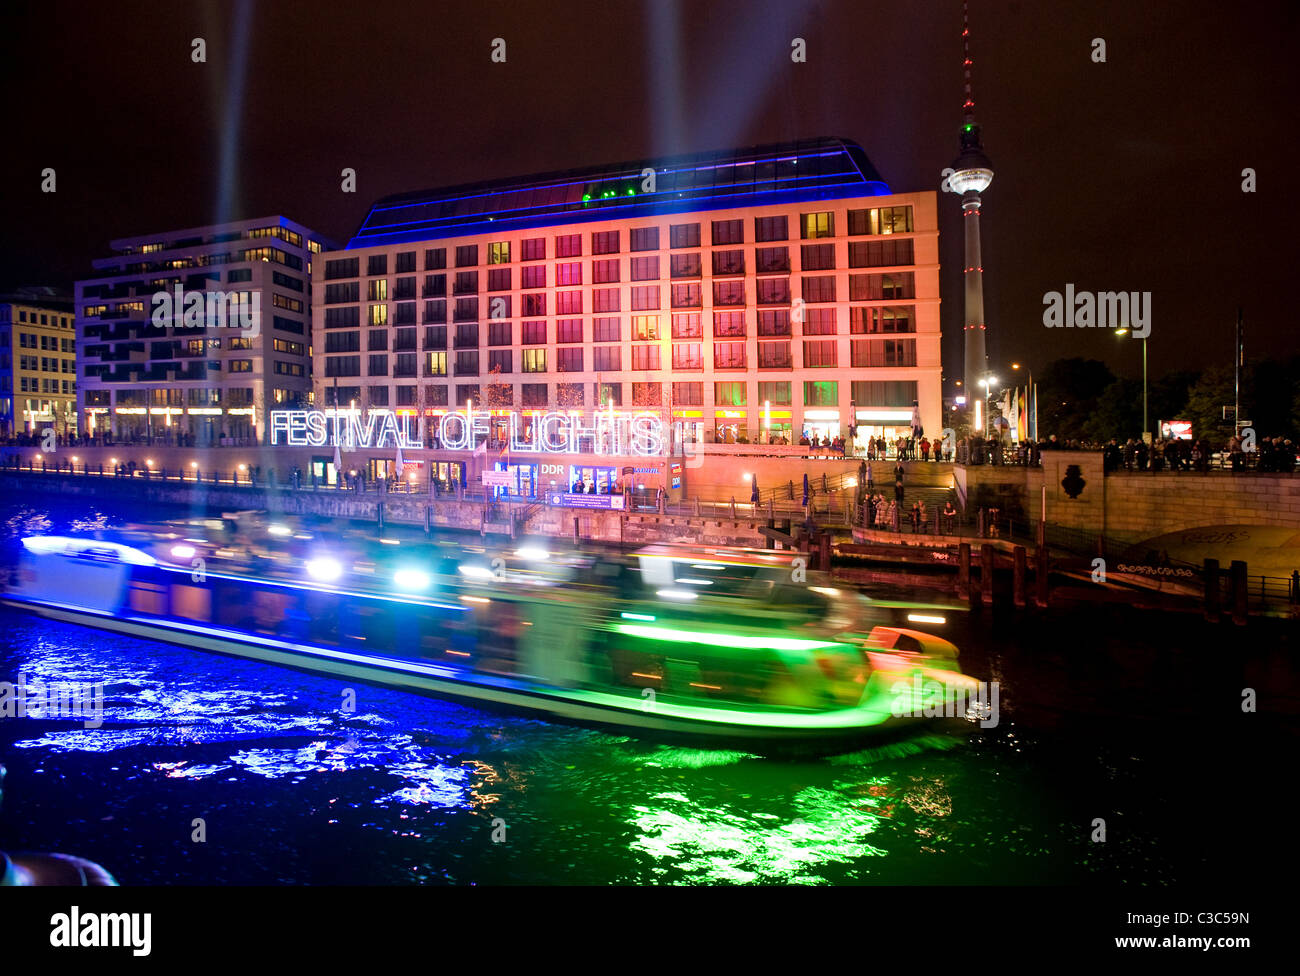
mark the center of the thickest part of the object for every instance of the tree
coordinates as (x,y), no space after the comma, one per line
(1118,413)
(1068,394)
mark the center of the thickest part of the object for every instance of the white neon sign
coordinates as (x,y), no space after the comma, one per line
(606,433)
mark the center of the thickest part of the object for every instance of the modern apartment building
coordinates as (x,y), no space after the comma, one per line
(757,294)
(191,336)
(38,365)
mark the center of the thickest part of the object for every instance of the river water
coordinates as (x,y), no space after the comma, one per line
(1132,719)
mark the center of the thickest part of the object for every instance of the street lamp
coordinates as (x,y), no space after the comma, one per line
(987,381)
(1145,426)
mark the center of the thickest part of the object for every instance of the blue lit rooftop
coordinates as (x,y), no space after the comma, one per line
(791,172)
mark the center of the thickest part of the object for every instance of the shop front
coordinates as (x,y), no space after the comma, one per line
(874,423)
(777,427)
(821,425)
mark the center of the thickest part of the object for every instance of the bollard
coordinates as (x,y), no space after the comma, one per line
(428,521)
(1019,587)
(1042,576)
(1212,604)
(379,514)
(1237,571)
(575,530)
(963,566)
(986,572)
(733,508)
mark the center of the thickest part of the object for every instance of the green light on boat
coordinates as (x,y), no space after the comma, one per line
(722,640)
(636,616)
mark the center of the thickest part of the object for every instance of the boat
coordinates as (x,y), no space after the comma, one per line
(736,649)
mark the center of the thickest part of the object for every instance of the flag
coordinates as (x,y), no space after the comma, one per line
(481,449)
(399,461)
(338,461)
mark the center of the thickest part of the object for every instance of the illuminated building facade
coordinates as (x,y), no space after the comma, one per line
(192,336)
(752,296)
(38,365)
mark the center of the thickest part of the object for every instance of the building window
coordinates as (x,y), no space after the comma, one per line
(378,314)
(467,256)
(687,295)
(406,395)
(378,396)
(343,366)
(349,291)
(773,322)
(500,361)
(377,264)
(817,257)
(606,330)
(533,394)
(729,292)
(377,290)
(687,355)
(466,310)
(568,330)
(534,276)
(819,353)
(566,274)
(534,333)
(728,324)
(499,279)
(685,265)
(499,306)
(774,355)
(883,220)
(466,336)
(880,254)
(378,365)
(729,394)
(435,258)
(405,262)
(884,393)
(876,287)
(499,334)
(499,252)
(773,291)
(644,357)
(728,232)
(377,340)
(605,242)
(776,393)
(606,358)
(684,235)
(534,360)
(534,304)
(568,246)
(645,269)
(812,225)
(821,393)
(435,337)
(467,363)
(728,355)
(884,352)
(820,321)
(728,262)
(605,300)
(466,283)
(435,364)
(435,396)
(818,289)
(342,268)
(604,272)
(568,359)
(533,249)
(772,259)
(645,327)
(645,297)
(881,319)
(466,392)
(686,326)
(643,239)
(342,341)
(608,394)
(771,229)
(568,303)
(435,311)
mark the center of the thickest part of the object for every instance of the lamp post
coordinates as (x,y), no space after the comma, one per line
(1145,425)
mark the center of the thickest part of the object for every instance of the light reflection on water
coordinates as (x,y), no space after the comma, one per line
(412,787)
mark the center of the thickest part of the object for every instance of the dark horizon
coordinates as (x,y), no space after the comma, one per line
(1106,174)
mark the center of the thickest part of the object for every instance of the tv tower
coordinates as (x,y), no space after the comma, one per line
(972,173)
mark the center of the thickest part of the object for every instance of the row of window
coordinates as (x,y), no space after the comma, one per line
(32,384)
(816,393)
(875,221)
(53,320)
(686,356)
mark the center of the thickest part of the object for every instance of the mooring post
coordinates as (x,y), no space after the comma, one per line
(1239,595)
(379,514)
(1042,576)
(428,521)
(575,530)
(963,566)
(1019,588)
(1210,573)
(986,572)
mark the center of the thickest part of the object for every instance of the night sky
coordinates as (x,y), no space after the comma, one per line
(1117,176)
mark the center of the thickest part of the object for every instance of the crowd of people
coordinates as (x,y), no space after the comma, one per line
(1271,454)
